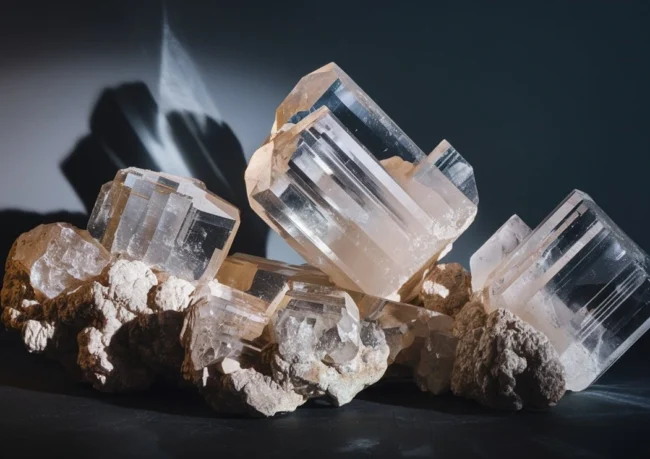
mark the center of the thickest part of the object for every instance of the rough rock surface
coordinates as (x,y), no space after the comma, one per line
(312,377)
(471,316)
(121,327)
(446,289)
(507,364)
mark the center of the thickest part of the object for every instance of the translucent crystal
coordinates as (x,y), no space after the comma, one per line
(265,278)
(59,256)
(325,324)
(372,227)
(406,326)
(497,248)
(226,323)
(170,223)
(583,282)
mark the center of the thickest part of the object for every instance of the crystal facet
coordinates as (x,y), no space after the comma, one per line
(497,248)
(580,280)
(170,223)
(318,182)
(330,322)
(59,256)
(264,278)
(225,324)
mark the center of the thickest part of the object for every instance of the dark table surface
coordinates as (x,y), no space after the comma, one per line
(44,413)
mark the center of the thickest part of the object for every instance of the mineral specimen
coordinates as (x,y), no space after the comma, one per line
(318,182)
(507,364)
(56,257)
(581,281)
(170,223)
(223,324)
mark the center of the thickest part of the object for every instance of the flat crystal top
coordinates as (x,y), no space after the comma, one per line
(170,223)
(584,283)
(331,87)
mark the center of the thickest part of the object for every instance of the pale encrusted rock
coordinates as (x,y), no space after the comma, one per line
(507,364)
(248,391)
(173,294)
(37,334)
(471,316)
(312,377)
(446,289)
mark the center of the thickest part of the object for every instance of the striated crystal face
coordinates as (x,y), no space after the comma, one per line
(225,323)
(496,249)
(319,183)
(317,322)
(170,223)
(583,282)
(265,278)
(406,326)
(59,256)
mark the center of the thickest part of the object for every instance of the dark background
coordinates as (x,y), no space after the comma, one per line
(540,97)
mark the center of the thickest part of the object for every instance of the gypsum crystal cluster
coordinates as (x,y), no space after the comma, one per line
(148,292)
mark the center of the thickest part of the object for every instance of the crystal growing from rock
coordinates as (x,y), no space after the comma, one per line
(58,256)
(170,223)
(580,280)
(318,182)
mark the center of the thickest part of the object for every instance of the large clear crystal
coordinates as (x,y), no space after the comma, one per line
(226,323)
(496,249)
(265,278)
(583,282)
(318,181)
(324,323)
(59,256)
(170,223)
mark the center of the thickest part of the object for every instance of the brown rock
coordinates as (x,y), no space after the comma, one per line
(507,364)
(446,289)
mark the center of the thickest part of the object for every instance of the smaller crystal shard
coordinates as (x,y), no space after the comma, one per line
(503,242)
(170,223)
(226,323)
(265,278)
(59,256)
(405,326)
(322,324)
